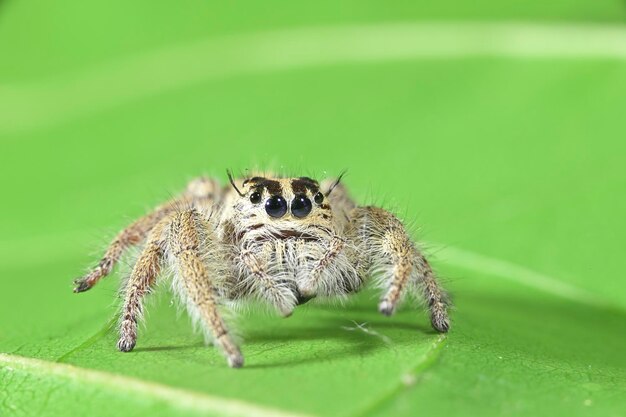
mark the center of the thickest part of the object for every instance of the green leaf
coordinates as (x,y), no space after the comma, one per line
(508,154)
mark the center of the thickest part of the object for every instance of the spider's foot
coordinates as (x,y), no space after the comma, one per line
(231,350)
(126,343)
(82,285)
(386,307)
(235,360)
(440,321)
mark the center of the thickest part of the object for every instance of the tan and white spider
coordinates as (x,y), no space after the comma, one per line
(280,240)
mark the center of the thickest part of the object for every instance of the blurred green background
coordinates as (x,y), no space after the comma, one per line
(496,128)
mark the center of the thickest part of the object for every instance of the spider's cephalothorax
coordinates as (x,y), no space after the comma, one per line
(280,240)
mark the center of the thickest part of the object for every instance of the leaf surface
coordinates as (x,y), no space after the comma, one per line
(512,161)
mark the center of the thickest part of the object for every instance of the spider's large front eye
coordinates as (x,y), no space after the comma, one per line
(301,206)
(276,206)
(255,198)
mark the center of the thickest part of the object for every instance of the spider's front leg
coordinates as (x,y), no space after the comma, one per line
(388,244)
(195,281)
(178,237)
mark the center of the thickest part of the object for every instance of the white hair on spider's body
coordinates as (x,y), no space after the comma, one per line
(282,241)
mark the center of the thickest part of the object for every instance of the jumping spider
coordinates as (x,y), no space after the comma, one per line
(280,240)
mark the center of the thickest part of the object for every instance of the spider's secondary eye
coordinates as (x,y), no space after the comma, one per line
(255,198)
(276,206)
(319,197)
(301,206)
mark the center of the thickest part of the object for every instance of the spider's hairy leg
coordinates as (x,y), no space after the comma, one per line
(127,238)
(198,191)
(140,282)
(184,244)
(432,292)
(270,289)
(390,244)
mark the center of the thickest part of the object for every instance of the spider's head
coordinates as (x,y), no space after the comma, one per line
(288,207)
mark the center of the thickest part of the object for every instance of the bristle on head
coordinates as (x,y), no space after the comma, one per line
(232,182)
(336,183)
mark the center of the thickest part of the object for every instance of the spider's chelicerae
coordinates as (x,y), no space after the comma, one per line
(280,240)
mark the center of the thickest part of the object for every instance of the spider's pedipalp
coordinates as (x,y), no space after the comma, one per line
(311,285)
(277,292)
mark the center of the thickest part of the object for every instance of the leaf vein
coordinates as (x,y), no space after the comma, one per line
(176,397)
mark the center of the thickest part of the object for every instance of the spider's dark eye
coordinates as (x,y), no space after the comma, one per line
(301,206)
(276,206)
(255,198)
(319,197)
